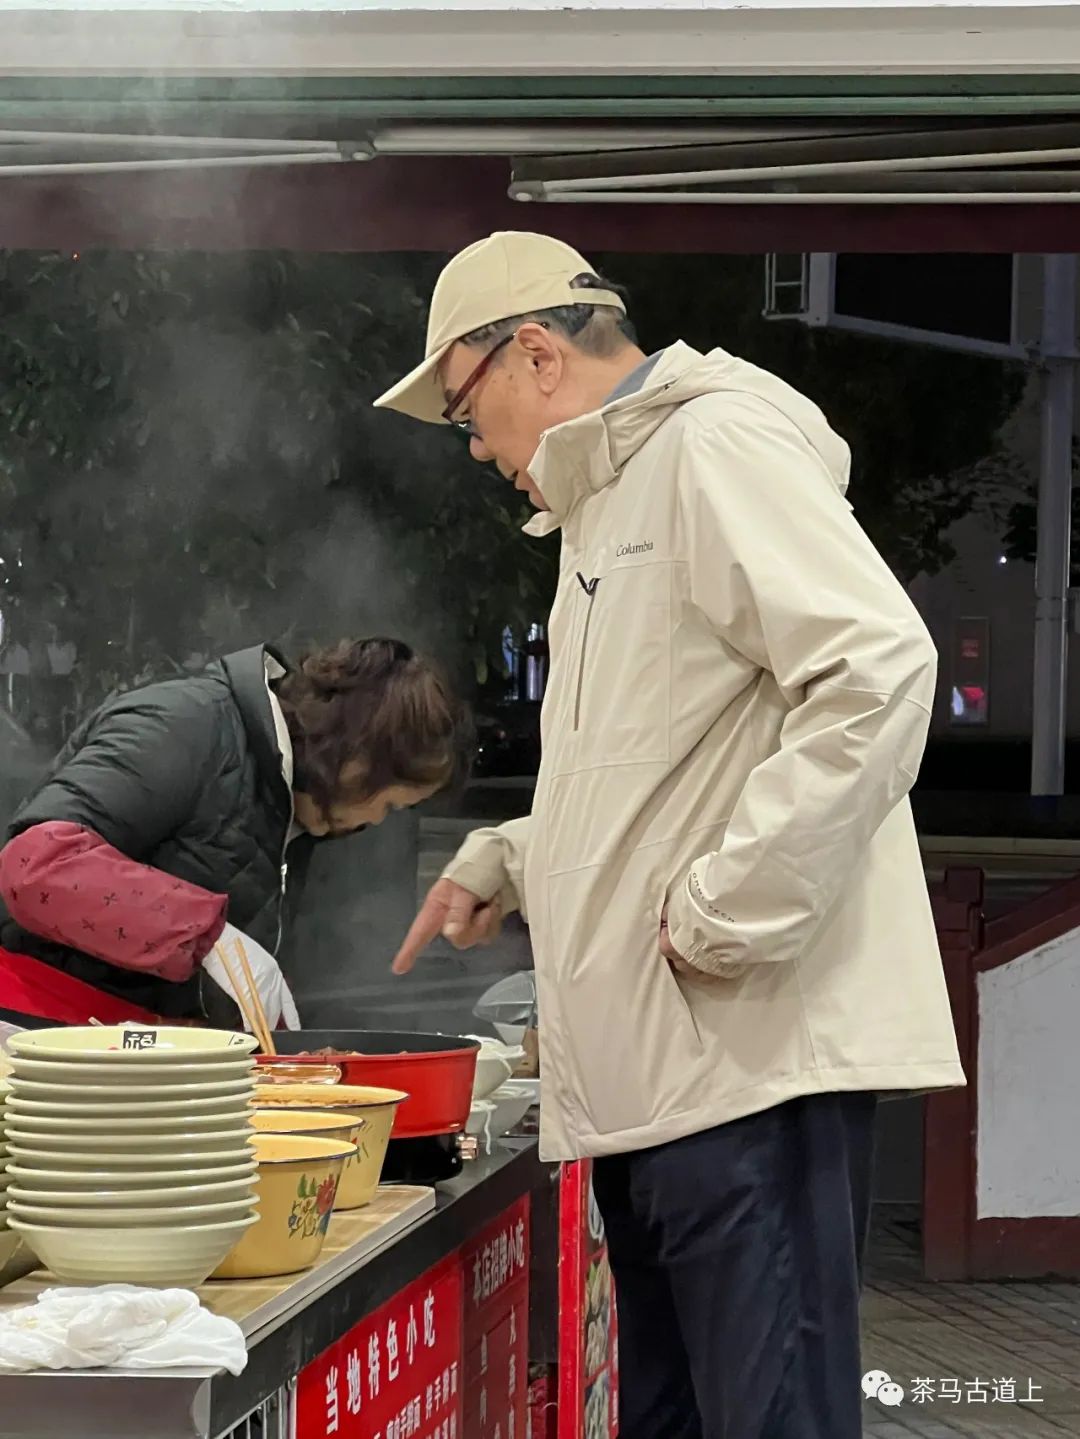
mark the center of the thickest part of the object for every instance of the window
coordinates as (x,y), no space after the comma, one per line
(969,699)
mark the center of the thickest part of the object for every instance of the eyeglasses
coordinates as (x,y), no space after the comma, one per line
(466,426)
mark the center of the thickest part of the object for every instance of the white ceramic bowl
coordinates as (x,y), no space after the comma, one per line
(146,1181)
(19,1108)
(128,1216)
(132,1161)
(9,1243)
(150,1147)
(495,1116)
(83,1095)
(495,1064)
(105,1071)
(17,1263)
(99,1129)
(129,1044)
(181,1257)
(25,1189)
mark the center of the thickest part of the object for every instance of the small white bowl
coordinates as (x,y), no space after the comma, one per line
(181,1257)
(106,1073)
(129,1216)
(129,1044)
(502,1111)
(9,1243)
(145,1181)
(18,1107)
(81,1095)
(99,1129)
(136,1162)
(26,1190)
(151,1147)
(495,1064)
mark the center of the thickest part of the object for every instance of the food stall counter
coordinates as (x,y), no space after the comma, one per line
(409,1240)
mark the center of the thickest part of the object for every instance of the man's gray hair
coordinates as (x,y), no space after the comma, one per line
(598,330)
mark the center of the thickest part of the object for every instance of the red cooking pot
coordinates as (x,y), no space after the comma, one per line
(436,1071)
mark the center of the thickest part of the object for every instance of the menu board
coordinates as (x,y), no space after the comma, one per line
(447,1358)
(496,1269)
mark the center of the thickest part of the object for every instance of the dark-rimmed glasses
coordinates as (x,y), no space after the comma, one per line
(454,404)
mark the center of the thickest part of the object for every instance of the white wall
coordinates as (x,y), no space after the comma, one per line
(1029,1082)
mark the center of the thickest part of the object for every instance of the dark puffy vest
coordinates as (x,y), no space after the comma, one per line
(184,775)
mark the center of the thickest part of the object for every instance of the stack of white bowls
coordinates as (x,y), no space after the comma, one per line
(130,1156)
(9,1240)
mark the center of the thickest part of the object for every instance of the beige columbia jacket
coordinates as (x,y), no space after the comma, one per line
(737,706)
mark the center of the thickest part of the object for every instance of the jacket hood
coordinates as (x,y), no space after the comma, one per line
(585,455)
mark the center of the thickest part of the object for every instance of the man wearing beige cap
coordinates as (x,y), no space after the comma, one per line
(734,946)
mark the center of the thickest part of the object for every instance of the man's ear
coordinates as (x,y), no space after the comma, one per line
(543,354)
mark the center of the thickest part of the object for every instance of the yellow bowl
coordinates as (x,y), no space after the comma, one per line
(316,1123)
(375,1109)
(297,1184)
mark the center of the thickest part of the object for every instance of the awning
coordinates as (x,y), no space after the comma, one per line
(926,163)
(405,123)
(633,39)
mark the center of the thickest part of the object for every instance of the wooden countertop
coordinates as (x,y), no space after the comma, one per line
(259,1305)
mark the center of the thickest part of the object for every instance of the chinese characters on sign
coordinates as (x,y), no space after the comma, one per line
(499,1258)
(496,1268)
(397,1375)
(404,1372)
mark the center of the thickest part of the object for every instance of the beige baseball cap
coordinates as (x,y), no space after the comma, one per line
(510,273)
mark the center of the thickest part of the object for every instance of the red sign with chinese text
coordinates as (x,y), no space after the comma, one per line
(397,1374)
(496,1270)
(588,1325)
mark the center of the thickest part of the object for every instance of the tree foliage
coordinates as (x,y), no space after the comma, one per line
(1021,520)
(919,421)
(189,460)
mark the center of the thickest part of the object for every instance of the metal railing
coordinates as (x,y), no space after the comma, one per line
(275,1418)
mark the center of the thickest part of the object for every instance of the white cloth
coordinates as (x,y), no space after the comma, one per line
(274,993)
(118,1326)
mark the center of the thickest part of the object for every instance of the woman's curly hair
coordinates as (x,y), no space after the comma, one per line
(365,715)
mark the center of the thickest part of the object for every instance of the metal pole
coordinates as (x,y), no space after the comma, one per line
(1054,535)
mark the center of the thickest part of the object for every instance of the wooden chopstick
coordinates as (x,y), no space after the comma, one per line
(249,1018)
(266,1037)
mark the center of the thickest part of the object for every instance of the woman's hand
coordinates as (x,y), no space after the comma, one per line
(274,994)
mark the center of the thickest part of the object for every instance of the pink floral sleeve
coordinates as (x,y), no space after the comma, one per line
(66,884)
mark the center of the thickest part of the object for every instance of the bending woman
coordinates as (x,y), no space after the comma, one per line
(169,814)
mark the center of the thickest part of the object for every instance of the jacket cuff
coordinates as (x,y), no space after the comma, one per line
(480,867)
(685,922)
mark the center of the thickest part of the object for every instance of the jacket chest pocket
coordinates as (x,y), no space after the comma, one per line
(621,674)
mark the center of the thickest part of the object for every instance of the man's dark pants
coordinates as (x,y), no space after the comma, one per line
(737,1258)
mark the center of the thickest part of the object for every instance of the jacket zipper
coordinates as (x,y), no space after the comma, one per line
(589,586)
(281,898)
